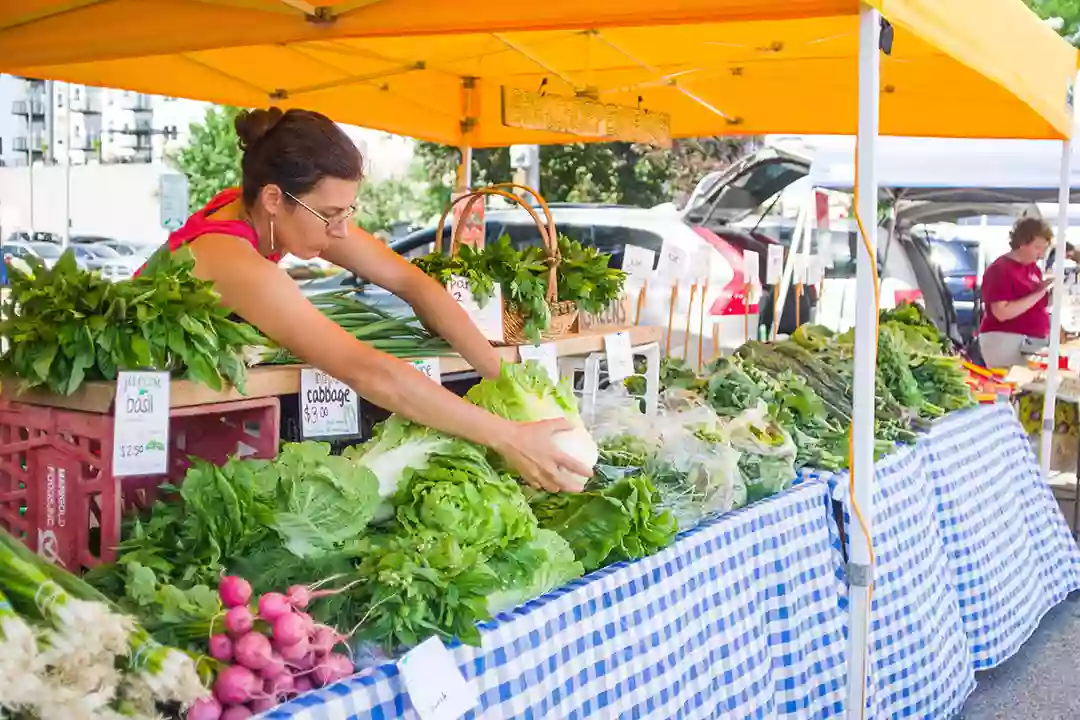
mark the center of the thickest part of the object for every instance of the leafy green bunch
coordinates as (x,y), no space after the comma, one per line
(619,522)
(469,263)
(65,326)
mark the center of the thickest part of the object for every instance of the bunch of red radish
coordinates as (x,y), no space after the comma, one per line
(275,649)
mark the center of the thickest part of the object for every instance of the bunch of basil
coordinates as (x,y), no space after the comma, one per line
(65,326)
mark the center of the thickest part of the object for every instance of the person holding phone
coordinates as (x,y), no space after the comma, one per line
(1015,296)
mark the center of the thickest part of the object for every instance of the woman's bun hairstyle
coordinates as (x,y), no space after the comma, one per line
(294,150)
(253,125)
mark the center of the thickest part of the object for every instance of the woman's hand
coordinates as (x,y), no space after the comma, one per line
(530,449)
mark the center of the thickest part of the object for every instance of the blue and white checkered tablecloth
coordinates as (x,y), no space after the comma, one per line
(740,618)
(919,659)
(1009,549)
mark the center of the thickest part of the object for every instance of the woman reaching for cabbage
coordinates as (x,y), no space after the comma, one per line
(298,197)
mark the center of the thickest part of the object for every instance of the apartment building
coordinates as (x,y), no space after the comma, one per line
(50,122)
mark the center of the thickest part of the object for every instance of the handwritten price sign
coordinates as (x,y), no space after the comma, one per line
(328,407)
(429,367)
(674,262)
(638,262)
(489,318)
(141,424)
(436,687)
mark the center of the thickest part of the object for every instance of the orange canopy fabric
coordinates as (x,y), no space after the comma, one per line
(959,68)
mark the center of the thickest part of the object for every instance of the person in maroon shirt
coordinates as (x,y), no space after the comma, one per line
(1015,296)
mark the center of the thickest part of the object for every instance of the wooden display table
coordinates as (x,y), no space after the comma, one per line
(276,380)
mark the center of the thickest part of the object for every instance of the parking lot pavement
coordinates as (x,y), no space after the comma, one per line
(1042,682)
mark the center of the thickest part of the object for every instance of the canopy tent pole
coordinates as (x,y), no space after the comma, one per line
(861,559)
(470,114)
(464,171)
(1050,396)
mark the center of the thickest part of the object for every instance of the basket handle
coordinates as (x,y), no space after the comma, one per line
(547,230)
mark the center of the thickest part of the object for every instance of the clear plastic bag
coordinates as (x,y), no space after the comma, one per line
(684,450)
(768,452)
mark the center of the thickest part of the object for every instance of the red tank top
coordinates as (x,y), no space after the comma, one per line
(203,223)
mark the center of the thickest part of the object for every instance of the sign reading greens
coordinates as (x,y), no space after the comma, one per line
(65,326)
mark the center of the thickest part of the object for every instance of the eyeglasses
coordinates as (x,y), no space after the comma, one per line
(340,218)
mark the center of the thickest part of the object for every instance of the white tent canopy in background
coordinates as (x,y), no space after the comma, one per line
(941,169)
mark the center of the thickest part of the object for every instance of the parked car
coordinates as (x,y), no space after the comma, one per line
(48,252)
(125,249)
(14,254)
(958,261)
(106,261)
(26,237)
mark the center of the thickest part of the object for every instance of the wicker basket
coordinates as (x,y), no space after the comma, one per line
(563,315)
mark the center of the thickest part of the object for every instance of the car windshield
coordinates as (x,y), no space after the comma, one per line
(47,250)
(103,251)
(955,258)
(125,250)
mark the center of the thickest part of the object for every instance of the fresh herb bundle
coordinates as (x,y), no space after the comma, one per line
(65,326)
(583,277)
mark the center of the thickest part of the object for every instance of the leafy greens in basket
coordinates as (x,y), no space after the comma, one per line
(583,276)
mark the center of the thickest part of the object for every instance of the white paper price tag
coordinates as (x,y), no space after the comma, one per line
(141,424)
(328,407)
(436,687)
(798,269)
(774,268)
(545,355)
(674,263)
(638,262)
(702,265)
(815,270)
(620,356)
(751,266)
(430,367)
(825,248)
(489,318)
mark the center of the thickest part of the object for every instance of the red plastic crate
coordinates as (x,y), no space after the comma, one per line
(57,490)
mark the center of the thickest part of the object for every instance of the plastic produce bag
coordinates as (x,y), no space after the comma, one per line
(684,450)
(768,452)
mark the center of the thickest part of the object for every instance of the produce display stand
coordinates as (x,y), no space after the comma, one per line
(274,381)
(57,488)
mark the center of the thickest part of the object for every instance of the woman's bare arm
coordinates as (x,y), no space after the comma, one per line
(269,299)
(366,257)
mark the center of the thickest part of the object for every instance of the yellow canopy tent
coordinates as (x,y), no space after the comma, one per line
(960,68)
(437,70)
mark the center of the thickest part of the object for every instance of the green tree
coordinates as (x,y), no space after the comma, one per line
(382,204)
(211,158)
(1068,11)
(618,172)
